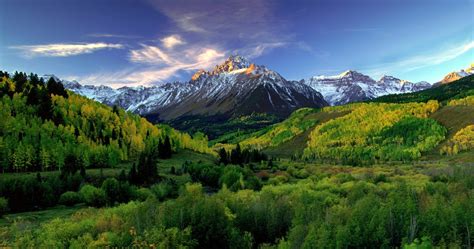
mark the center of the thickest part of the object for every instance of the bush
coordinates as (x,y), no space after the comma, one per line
(143,193)
(93,196)
(111,188)
(162,190)
(70,198)
(3,206)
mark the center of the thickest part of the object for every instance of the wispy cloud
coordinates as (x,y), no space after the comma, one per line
(255,50)
(108,35)
(172,41)
(156,63)
(150,55)
(244,21)
(63,49)
(422,60)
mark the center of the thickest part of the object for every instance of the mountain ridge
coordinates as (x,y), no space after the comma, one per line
(239,87)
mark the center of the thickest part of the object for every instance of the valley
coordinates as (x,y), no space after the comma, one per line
(391,171)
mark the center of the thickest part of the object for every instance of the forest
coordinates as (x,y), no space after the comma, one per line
(80,174)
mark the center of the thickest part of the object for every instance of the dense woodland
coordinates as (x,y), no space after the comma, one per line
(79,174)
(42,126)
(377,132)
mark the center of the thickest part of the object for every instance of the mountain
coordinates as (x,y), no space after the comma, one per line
(234,88)
(352,86)
(453,76)
(440,92)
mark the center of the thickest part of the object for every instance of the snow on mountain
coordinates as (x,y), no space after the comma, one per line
(239,87)
(236,87)
(450,77)
(351,86)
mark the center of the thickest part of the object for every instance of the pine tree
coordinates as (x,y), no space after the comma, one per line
(133,175)
(56,88)
(223,156)
(45,110)
(236,155)
(164,148)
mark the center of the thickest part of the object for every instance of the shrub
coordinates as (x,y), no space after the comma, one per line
(3,206)
(111,188)
(93,196)
(70,198)
(162,190)
(143,193)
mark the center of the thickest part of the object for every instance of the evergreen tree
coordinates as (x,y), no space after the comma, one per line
(236,155)
(56,88)
(20,80)
(164,148)
(133,175)
(45,110)
(223,156)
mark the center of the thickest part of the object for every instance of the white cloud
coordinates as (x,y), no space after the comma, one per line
(150,55)
(160,66)
(171,41)
(63,49)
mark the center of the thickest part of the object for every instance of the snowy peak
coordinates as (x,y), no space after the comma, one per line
(235,87)
(351,86)
(450,77)
(389,79)
(233,63)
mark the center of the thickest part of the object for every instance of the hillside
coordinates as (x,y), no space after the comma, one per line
(44,127)
(457,89)
(372,132)
(191,200)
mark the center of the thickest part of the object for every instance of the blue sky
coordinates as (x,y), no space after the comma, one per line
(134,42)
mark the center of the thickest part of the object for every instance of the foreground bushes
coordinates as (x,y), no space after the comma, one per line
(339,210)
(70,198)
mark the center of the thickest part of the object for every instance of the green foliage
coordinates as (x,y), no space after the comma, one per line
(237,178)
(93,196)
(3,206)
(164,190)
(70,198)
(221,129)
(111,188)
(457,89)
(463,140)
(336,207)
(234,177)
(43,127)
(373,132)
(278,133)
(425,243)
(468,101)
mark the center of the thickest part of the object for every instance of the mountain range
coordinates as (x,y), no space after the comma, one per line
(457,75)
(233,88)
(238,87)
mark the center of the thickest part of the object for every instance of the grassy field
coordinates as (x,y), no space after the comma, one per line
(28,221)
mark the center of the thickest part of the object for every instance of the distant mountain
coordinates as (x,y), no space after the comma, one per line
(352,86)
(450,77)
(236,87)
(441,92)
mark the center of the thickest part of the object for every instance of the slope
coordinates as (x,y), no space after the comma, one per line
(457,89)
(44,127)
